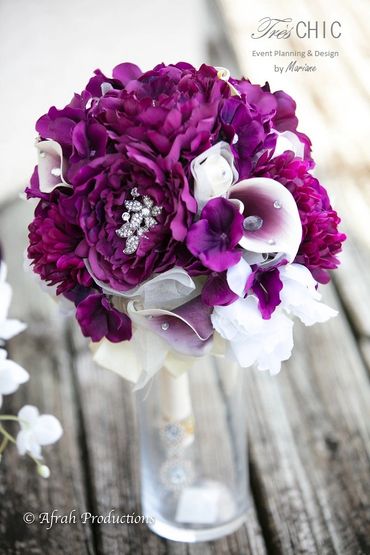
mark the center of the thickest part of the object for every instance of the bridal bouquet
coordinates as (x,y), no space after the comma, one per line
(178,212)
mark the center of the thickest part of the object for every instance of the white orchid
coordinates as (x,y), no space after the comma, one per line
(252,339)
(36,431)
(11,375)
(8,327)
(299,295)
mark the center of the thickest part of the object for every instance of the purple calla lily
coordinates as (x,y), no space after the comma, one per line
(187,329)
(214,238)
(270,217)
(51,166)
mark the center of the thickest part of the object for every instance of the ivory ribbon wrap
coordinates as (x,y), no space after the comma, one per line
(175,396)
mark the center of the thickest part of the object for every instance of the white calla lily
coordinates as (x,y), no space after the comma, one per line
(272,223)
(214,172)
(300,297)
(161,338)
(51,166)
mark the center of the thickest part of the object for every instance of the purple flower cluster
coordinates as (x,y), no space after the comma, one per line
(321,240)
(141,131)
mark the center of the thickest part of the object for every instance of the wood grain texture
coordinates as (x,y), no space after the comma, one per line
(310,437)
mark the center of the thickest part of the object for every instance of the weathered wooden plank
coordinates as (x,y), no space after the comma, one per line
(353,277)
(310,432)
(42,350)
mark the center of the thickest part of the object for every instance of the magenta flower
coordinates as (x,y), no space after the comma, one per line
(321,239)
(267,286)
(98,319)
(214,238)
(216,291)
(57,247)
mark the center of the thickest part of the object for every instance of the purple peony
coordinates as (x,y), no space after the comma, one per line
(57,247)
(98,202)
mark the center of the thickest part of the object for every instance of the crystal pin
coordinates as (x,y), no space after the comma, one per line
(139,217)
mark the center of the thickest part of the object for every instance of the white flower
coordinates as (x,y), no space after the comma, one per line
(253,339)
(288,141)
(36,430)
(8,327)
(11,375)
(51,166)
(237,277)
(300,297)
(214,172)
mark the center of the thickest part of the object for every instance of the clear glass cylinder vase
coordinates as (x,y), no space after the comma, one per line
(193,447)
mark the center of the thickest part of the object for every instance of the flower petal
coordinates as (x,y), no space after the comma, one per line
(11,376)
(161,291)
(216,290)
(187,329)
(237,277)
(28,415)
(214,172)
(288,141)
(118,357)
(51,166)
(281,229)
(254,340)
(47,429)
(22,441)
(267,288)
(10,328)
(300,297)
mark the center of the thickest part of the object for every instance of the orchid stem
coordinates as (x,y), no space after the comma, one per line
(3,445)
(6,434)
(9,417)
(8,437)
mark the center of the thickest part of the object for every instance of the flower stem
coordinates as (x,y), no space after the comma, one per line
(9,417)
(6,434)
(3,445)
(8,437)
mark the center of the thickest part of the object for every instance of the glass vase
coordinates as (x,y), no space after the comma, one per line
(193,447)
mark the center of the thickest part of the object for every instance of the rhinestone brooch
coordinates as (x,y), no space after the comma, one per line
(139,217)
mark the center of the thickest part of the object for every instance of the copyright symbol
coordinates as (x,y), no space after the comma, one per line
(29,518)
